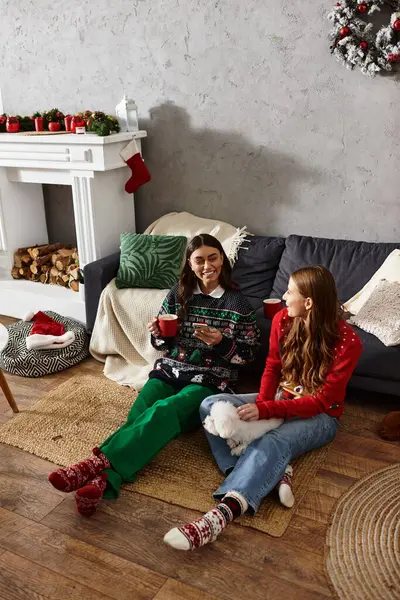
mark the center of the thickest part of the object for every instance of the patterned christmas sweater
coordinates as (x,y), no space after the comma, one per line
(189,360)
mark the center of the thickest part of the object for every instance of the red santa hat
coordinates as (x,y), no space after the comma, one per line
(46,333)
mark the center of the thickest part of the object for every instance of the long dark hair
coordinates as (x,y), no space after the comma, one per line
(188,279)
(309,346)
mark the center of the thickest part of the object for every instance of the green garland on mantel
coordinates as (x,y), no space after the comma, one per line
(96,121)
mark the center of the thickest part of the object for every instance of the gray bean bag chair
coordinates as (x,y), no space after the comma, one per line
(15,357)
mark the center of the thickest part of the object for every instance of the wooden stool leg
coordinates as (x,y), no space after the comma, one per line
(7,392)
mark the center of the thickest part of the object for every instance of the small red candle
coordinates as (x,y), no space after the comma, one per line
(77,122)
(67,122)
(12,125)
(39,124)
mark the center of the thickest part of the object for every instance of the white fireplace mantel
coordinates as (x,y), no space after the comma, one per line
(92,166)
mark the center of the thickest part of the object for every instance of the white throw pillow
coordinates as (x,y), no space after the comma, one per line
(390,270)
(380,315)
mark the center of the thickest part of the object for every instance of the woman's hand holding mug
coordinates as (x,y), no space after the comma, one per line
(165,326)
(153,328)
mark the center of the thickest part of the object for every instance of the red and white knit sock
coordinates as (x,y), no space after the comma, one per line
(69,479)
(89,496)
(207,529)
(285,488)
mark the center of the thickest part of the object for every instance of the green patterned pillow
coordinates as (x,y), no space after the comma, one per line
(150,261)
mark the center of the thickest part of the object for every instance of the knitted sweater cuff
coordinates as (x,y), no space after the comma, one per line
(225,348)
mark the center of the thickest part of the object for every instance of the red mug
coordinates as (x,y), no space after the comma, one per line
(168,325)
(271,307)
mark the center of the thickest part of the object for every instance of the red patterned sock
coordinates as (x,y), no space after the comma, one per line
(89,496)
(73,477)
(207,529)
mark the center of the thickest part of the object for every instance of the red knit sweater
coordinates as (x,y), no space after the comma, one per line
(330,398)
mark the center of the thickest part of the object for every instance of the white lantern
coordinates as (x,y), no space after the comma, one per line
(127,114)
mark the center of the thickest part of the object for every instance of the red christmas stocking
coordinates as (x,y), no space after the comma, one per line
(140,173)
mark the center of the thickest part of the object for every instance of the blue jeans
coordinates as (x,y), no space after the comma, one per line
(259,469)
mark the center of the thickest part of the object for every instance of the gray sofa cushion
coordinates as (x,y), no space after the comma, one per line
(351,263)
(256,267)
(377,360)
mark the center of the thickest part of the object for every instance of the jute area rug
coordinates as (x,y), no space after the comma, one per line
(362,558)
(67,423)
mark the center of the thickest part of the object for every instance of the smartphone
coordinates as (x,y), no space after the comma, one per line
(201,327)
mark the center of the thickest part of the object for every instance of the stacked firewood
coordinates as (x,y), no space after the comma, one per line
(56,264)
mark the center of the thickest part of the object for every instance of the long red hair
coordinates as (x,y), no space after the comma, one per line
(308,349)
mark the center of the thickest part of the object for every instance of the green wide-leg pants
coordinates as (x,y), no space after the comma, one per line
(159,414)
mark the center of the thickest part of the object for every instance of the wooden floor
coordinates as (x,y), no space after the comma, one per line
(48,552)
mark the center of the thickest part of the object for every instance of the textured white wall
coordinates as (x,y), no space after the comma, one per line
(249,117)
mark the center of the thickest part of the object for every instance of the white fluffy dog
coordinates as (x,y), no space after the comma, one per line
(225,422)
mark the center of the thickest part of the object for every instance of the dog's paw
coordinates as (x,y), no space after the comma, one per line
(231,443)
(238,449)
(209,425)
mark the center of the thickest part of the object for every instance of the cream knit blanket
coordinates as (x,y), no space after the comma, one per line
(120,338)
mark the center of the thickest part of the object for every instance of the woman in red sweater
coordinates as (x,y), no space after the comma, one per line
(312,355)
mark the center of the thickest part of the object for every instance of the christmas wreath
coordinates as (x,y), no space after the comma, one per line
(353,41)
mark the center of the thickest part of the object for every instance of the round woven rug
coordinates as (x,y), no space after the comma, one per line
(362,558)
